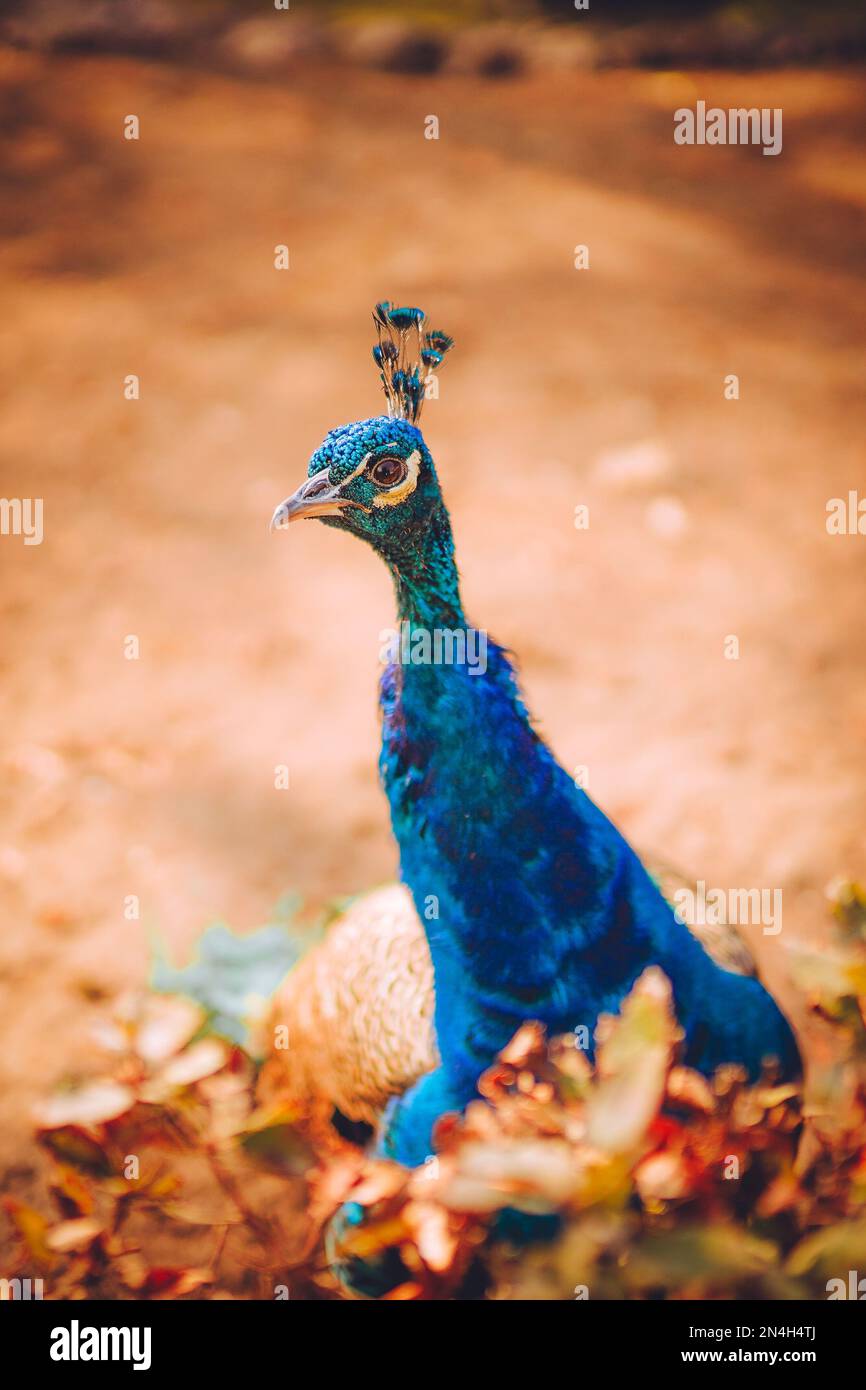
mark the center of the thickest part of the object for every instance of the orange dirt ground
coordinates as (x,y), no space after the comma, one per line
(155,777)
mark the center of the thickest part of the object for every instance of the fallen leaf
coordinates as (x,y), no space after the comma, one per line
(31,1226)
(79,1234)
(87,1105)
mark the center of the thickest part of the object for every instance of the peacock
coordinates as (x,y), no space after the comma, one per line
(518,898)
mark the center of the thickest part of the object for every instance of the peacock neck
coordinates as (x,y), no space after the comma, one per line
(426,582)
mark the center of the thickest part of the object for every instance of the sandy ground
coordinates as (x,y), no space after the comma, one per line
(155,777)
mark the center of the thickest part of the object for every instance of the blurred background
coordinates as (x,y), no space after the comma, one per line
(603,387)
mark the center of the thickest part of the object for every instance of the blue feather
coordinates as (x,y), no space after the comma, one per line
(545,912)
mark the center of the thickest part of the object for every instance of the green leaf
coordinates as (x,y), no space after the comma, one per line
(714,1256)
(830,1252)
(279,1146)
(230,975)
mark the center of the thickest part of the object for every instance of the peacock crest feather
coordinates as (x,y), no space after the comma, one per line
(406,352)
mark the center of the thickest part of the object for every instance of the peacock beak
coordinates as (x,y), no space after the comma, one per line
(318,496)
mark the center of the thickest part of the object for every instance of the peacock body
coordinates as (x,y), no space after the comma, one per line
(359,1011)
(532,903)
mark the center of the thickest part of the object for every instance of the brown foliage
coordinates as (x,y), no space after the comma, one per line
(658,1182)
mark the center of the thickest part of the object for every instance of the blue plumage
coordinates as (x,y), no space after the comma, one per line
(533,903)
(545,911)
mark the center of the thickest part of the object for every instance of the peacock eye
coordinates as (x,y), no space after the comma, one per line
(388,471)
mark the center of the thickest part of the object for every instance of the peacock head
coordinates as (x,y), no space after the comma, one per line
(376,477)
